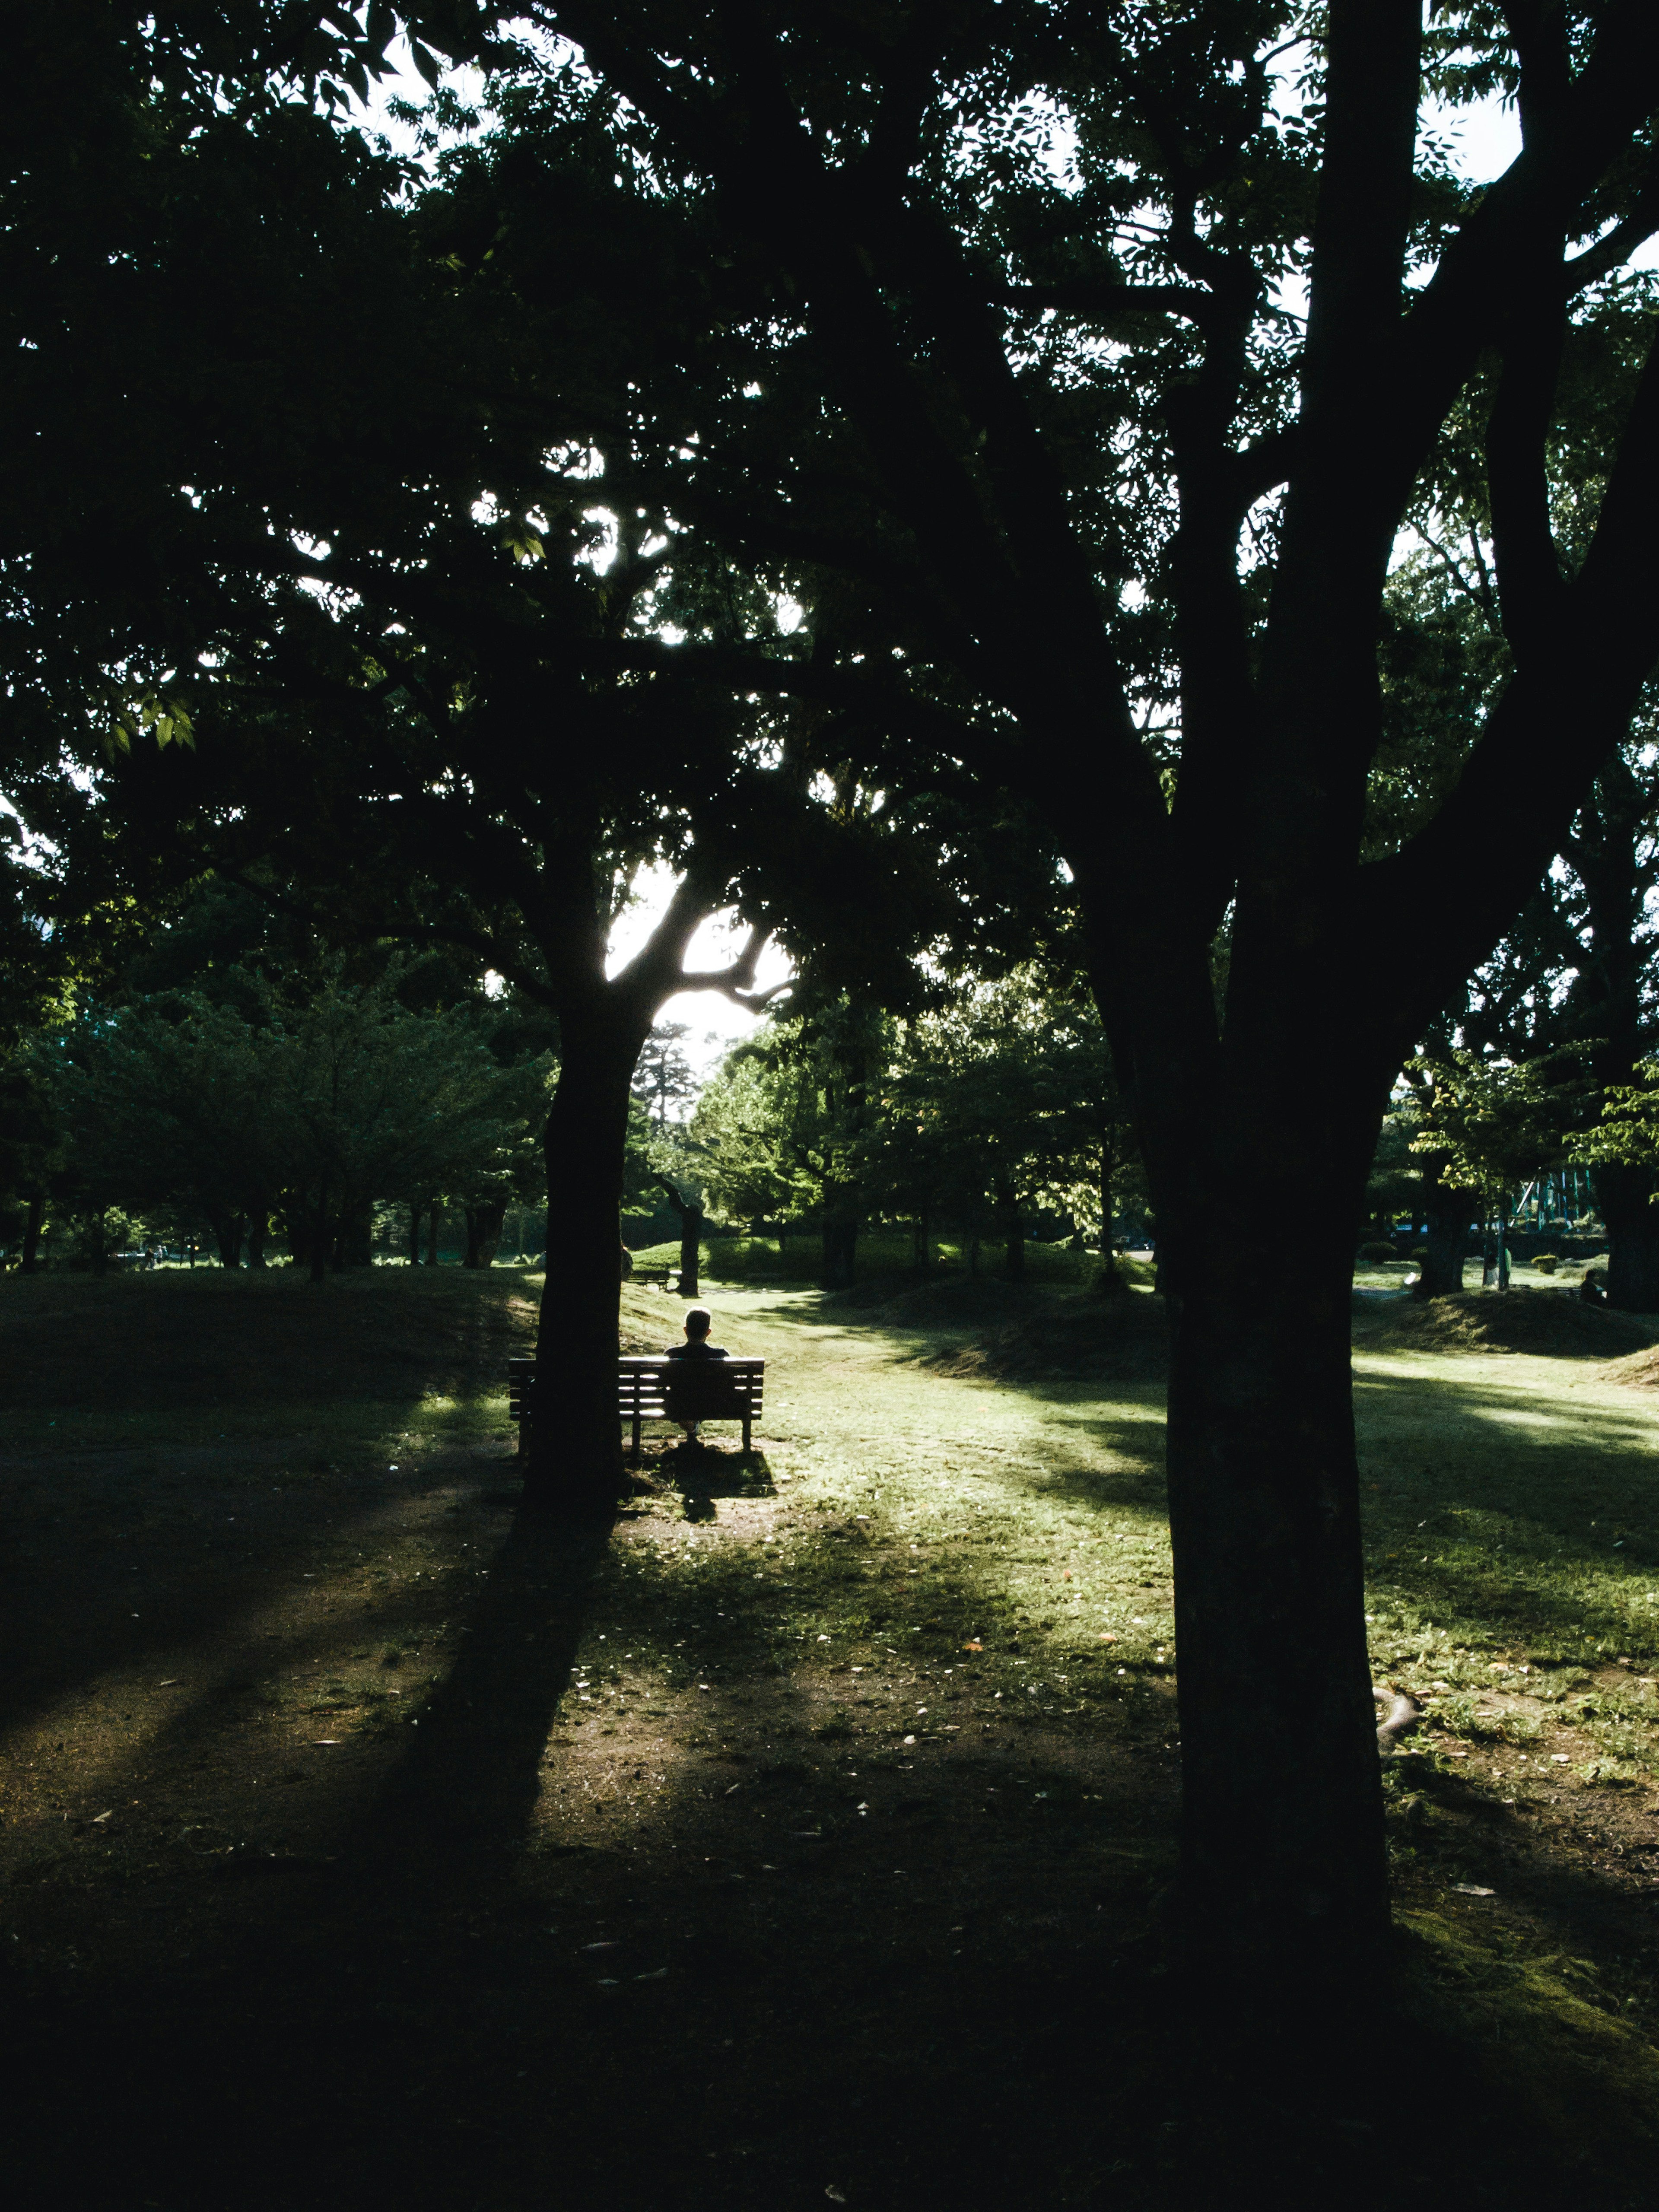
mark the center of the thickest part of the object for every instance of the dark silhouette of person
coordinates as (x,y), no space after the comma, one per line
(698,1322)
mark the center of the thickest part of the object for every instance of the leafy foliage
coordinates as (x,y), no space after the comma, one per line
(237,1106)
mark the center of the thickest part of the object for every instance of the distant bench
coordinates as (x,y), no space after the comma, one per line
(699,1391)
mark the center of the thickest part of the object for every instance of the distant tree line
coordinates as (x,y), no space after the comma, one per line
(268,1104)
(979,1117)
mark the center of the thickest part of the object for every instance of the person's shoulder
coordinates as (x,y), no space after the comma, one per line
(717,1351)
(675,1351)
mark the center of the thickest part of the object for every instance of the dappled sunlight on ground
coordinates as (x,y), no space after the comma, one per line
(836,1780)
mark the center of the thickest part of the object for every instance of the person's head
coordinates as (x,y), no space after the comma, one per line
(698,1322)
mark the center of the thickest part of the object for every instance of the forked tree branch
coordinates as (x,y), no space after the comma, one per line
(1548,738)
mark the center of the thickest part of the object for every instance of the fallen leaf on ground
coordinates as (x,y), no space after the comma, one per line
(1472,1889)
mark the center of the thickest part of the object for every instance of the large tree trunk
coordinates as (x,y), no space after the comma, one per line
(416,1210)
(841,1237)
(690,1210)
(574,1455)
(483,1230)
(258,1229)
(1450,1213)
(227,1229)
(432,1232)
(354,1235)
(1625,1197)
(1283,1885)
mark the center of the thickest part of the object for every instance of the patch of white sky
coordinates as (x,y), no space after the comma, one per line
(714,1022)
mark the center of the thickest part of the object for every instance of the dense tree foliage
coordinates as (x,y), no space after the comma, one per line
(790,445)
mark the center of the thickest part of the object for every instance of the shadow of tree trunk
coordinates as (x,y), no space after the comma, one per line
(468,1785)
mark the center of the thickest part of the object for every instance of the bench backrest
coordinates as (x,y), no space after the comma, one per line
(706,1389)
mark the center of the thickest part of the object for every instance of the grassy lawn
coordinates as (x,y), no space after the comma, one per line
(811,1831)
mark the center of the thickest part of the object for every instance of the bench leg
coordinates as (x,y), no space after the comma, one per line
(638,1427)
(745,1431)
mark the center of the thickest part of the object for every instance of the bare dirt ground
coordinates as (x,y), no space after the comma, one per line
(803,1837)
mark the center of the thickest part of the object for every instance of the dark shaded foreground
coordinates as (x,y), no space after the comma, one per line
(917,2013)
(286,1977)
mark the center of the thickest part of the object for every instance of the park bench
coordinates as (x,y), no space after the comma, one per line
(702,1389)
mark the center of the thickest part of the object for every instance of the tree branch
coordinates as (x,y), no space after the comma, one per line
(1462,305)
(1099,300)
(1533,767)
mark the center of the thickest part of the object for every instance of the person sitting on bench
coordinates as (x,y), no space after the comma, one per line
(698,1322)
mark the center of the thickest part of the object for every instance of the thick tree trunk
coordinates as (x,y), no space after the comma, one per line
(483,1230)
(1449,1214)
(99,1244)
(354,1235)
(575,1455)
(690,1251)
(1624,1196)
(258,1229)
(841,1237)
(690,1210)
(33,1222)
(432,1233)
(1284,1888)
(921,1245)
(227,1229)
(416,1210)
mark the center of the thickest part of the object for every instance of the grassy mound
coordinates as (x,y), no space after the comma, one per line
(1052,1334)
(882,1257)
(1640,1370)
(207,1336)
(1554,1324)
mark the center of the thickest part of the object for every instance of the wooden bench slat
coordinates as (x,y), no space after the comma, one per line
(702,1390)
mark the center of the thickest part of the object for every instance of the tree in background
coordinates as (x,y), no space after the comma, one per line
(1001,1100)
(315,1110)
(997,1101)
(1494,1125)
(1023,343)
(786,1124)
(662,1075)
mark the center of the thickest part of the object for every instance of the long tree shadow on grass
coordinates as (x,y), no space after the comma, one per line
(336,1987)
(469,1780)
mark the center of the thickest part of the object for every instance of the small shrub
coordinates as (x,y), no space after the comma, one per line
(1547,1263)
(1377,1255)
